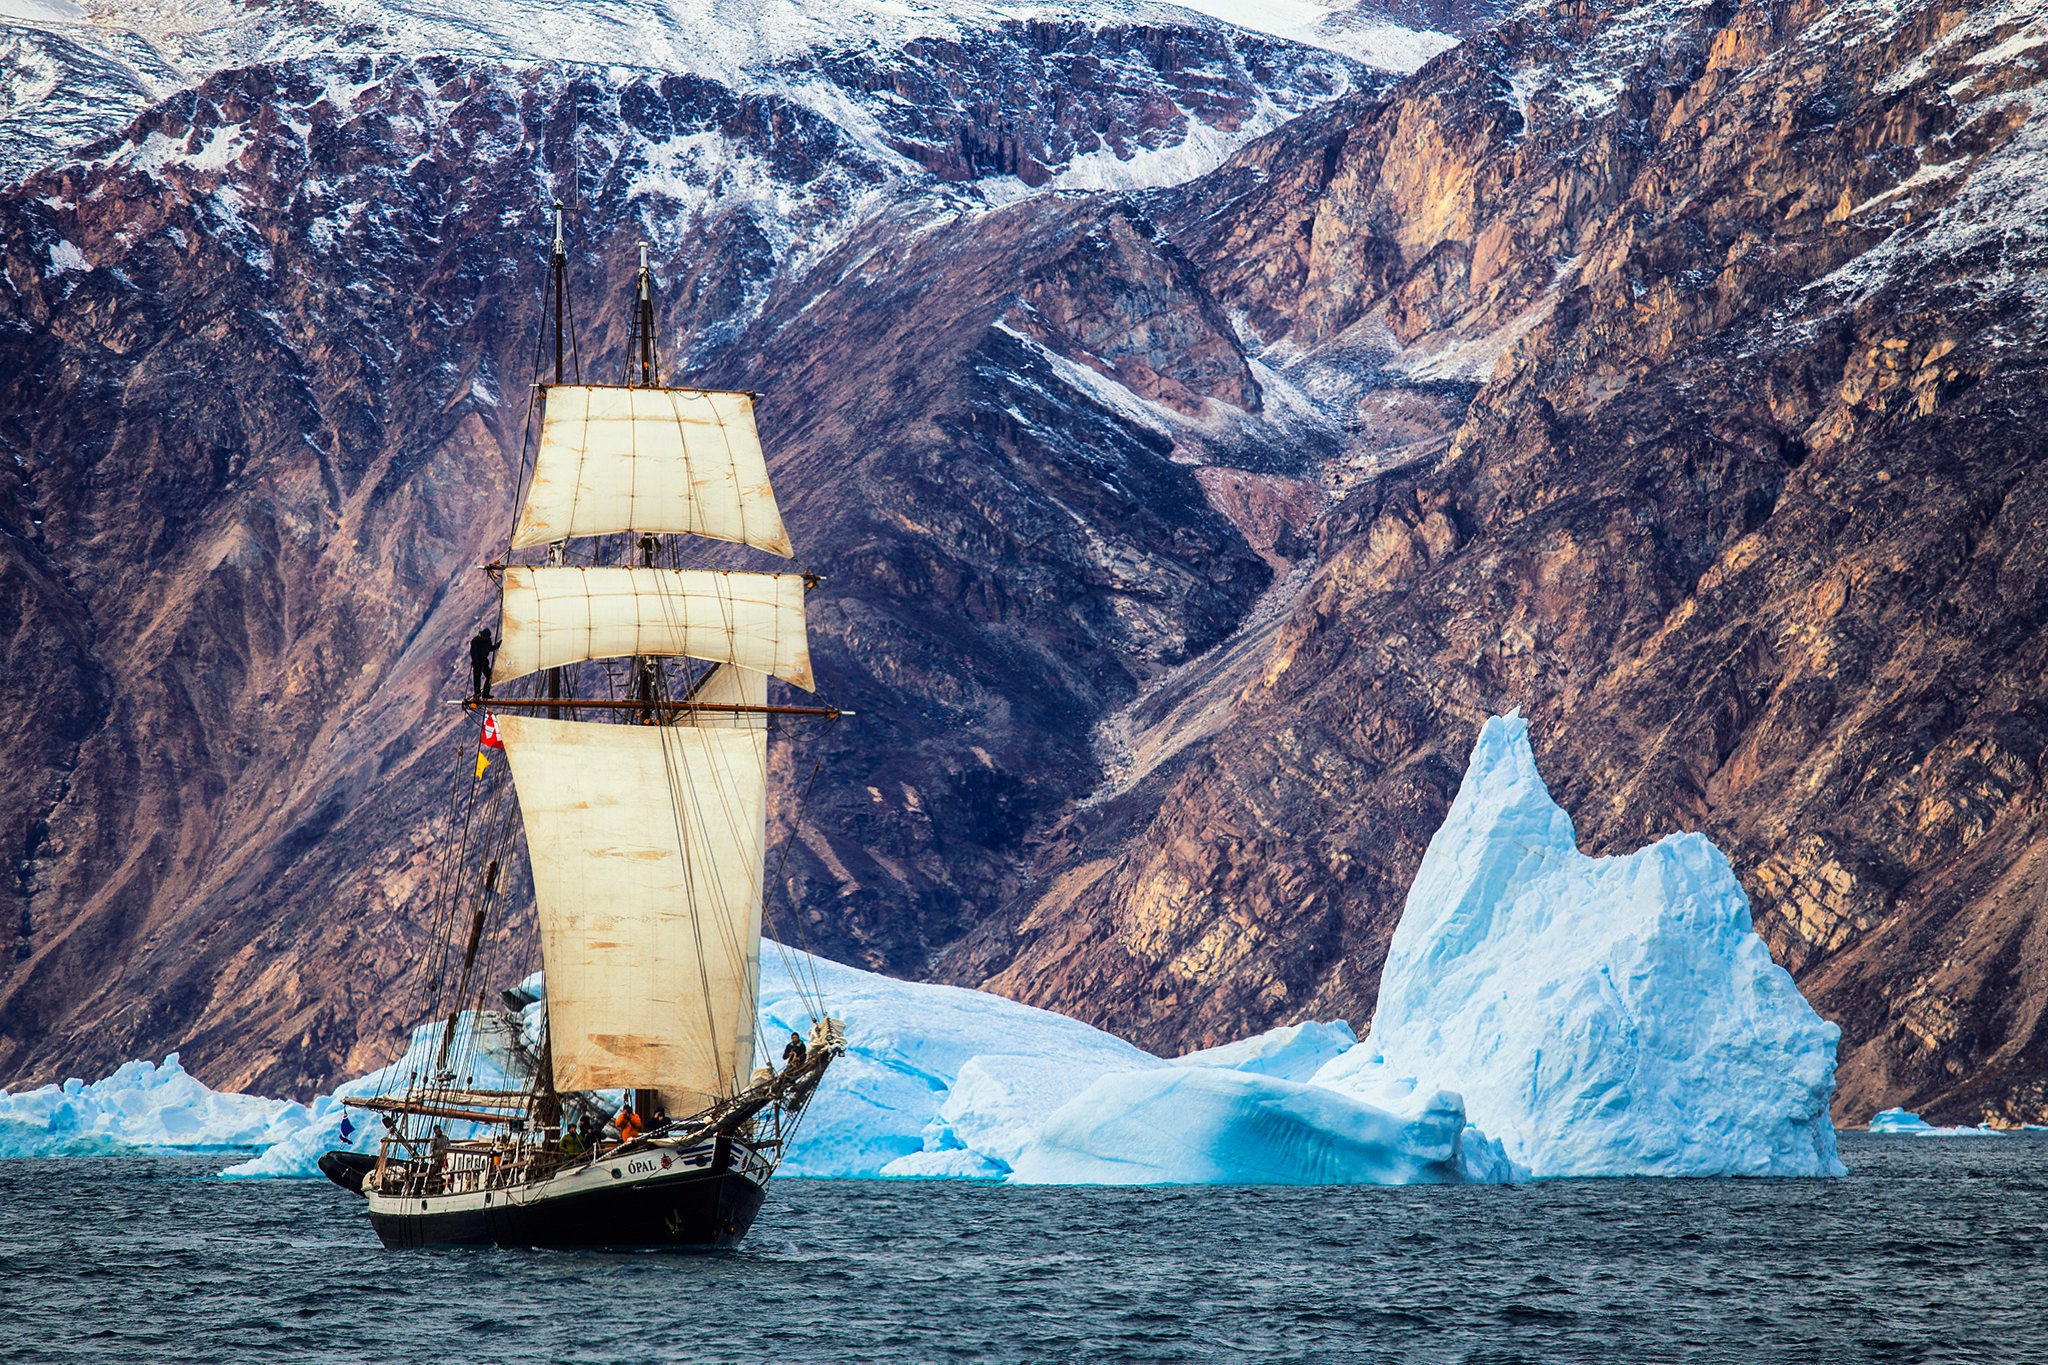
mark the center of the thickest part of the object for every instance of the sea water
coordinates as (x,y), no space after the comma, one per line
(1931,1250)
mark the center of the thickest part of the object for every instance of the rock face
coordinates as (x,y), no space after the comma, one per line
(1670,370)
(1748,514)
(263,388)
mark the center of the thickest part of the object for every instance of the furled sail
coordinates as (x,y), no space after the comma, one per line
(650,460)
(646,843)
(557,615)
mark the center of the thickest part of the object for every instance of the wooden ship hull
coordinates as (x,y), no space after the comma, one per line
(661,1196)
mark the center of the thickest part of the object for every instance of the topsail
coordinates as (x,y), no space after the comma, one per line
(563,615)
(684,461)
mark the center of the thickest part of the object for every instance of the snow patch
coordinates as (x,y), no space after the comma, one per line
(43,11)
(1336,27)
(65,256)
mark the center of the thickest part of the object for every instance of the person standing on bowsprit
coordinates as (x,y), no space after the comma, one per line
(482,649)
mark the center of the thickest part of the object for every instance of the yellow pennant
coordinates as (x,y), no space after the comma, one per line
(483,761)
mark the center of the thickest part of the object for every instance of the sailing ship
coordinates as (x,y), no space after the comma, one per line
(635,721)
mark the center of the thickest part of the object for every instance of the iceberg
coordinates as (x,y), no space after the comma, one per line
(142,1107)
(1902,1123)
(1215,1126)
(929,1070)
(941,1082)
(1600,1016)
(490,1041)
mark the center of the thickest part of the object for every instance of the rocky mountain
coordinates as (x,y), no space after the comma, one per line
(264,399)
(1201,434)
(1731,478)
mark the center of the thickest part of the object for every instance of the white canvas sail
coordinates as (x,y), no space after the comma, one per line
(557,615)
(646,843)
(647,459)
(727,685)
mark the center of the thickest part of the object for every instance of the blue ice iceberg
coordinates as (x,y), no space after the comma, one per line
(485,1040)
(943,1082)
(1901,1123)
(1600,1016)
(929,1070)
(142,1108)
(1213,1126)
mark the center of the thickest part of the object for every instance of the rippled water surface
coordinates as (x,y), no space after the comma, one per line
(1932,1250)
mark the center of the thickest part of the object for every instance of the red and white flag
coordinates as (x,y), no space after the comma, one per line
(486,742)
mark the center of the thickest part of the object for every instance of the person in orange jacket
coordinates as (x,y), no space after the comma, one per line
(628,1124)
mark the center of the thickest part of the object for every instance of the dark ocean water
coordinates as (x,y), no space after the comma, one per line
(1932,1250)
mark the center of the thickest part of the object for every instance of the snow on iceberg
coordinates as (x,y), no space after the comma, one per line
(1600,1016)
(1293,1053)
(142,1108)
(933,1075)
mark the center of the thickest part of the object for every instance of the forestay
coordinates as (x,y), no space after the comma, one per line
(650,460)
(646,843)
(556,615)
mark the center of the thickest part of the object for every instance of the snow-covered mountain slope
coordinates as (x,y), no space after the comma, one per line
(888,74)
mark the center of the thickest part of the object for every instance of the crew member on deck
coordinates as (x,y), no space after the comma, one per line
(628,1124)
(794,1052)
(482,649)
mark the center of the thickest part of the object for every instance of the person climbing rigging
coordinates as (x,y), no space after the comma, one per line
(794,1052)
(482,650)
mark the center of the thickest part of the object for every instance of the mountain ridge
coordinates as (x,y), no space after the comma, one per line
(1652,369)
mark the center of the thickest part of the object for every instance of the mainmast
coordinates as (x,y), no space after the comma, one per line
(561,270)
(643,323)
(551,684)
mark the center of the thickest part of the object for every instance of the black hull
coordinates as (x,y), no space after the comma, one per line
(347,1169)
(697,1211)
